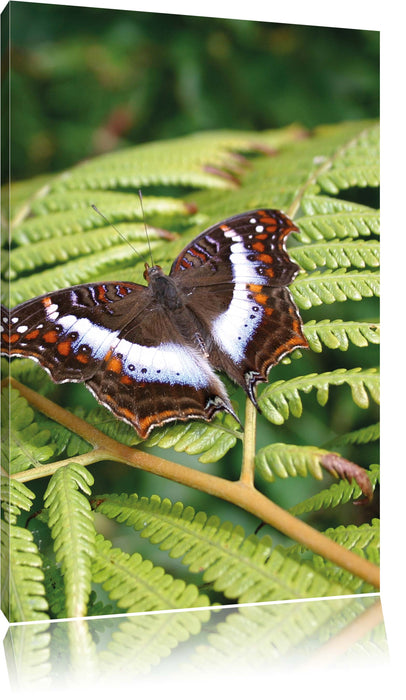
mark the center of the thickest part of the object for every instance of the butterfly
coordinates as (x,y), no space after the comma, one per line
(150,353)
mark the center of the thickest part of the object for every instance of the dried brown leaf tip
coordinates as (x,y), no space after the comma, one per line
(344,469)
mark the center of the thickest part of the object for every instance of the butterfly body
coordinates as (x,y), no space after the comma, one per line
(149,353)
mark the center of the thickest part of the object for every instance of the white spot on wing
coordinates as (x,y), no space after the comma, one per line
(234,328)
(168,363)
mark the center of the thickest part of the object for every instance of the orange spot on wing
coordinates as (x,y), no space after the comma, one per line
(268,259)
(126,380)
(10,338)
(258,246)
(261,299)
(254,288)
(101,293)
(115,365)
(64,348)
(51,336)
(34,334)
(81,357)
(47,301)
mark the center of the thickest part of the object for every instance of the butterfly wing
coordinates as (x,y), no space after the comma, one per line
(235,276)
(118,340)
(68,331)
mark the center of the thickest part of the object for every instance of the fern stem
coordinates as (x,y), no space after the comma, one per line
(237,492)
(250,431)
(43,470)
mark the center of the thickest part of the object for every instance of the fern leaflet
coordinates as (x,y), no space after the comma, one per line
(281,398)
(247,569)
(137,584)
(23,592)
(335,495)
(72,528)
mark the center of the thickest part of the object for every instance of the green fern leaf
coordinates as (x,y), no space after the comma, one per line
(138,585)
(23,592)
(210,441)
(357,437)
(200,160)
(15,496)
(257,637)
(335,495)
(337,254)
(355,164)
(24,445)
(338,334)
(28,652)
(94,244)
(281,460)
(281,398)
(141,642)
(313,203)
(339,285)
(341,224)
(73,217)
(343,177)
(246,569)
(356,536)
(72,528)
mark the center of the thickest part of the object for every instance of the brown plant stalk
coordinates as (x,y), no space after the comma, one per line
(241,493)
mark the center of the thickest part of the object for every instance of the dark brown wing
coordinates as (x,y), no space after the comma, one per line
(117,339)
(235,278)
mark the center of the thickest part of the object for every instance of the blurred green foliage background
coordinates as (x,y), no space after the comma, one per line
(86,80)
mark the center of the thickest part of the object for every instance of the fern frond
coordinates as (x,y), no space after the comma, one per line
(72,529)
(137,585)
(256,636)
(357,437)
(281,398)
(141,642)
(281,460)
(344,177)
(337,254)
(338,334)
(246,569)
(94,245)
(341,224)
(339,285)
(210,441)
(24,445)
(335,495)
(314,203)
(15,496)
(69,219)
(28,651)
(23,592)
(203,160)
(355,164)
(356,536)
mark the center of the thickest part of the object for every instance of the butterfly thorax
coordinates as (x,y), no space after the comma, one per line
(163,288)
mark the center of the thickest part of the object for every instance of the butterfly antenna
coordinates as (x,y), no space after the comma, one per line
(117,231)
(146,228)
